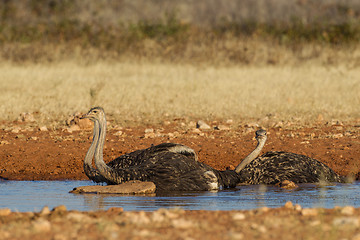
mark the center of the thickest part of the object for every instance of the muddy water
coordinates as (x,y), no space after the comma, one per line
(34,195)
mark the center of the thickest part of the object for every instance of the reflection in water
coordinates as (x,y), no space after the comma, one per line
(34,195)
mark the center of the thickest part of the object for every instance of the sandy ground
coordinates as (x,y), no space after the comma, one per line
(31,153)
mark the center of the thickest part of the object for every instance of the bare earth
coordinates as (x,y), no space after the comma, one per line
(27,153)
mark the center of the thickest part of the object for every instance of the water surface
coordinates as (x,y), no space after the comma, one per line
(34,195)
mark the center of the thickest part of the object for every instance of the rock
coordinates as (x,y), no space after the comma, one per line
(78,217)
(26,117)
(43,129)
(229,121)
(289,204)
(348,210)
(149,130)
(239,216)
(309,212)
(16,130)
(298,207)
(222,127)
(337,135)
(202,125)
(286,184)
(131,187)
(45,211)
(182,223)
(5,211)
(252,125)
(118,133)
(150,135)
(41,225)
(60,208)
(4,142)
(196,130)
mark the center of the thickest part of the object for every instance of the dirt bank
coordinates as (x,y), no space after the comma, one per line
(31,153)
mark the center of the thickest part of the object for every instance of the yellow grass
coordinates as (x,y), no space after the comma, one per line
(149,92)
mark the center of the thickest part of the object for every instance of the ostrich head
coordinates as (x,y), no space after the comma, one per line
(96,113)
(261,135)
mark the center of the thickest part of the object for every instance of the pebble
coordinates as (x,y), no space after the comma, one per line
(150,135)
(347,210)
(196,130)
(60,208)
(139,219)
(258,227)
(309,212)
(286,184)
(41,225)
(182,223)
(5,211)
(45,211)
(16,130)
(149,130)
(222,128)
(239,216)
(252,125)
(298,207)
(4,142)
(157,217)
(202,125)
(77,217)
(289,205)
(118,133)
(43,129)
(263,210)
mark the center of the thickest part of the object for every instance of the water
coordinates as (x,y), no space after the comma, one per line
(34,195)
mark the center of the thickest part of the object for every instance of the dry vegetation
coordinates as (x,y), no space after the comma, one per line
(143,92)
(55,62)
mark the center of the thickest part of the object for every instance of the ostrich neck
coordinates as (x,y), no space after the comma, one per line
(99,161)
(251,156)
(90,153)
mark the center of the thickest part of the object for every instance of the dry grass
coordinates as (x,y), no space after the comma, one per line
(149,92)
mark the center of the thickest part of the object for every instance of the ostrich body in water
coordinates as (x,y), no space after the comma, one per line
(275,167)
(174,167)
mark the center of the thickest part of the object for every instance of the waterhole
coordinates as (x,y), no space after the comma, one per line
(25,196)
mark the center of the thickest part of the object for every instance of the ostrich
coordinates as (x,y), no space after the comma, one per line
(172,167)
(132,159)
(275,167)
